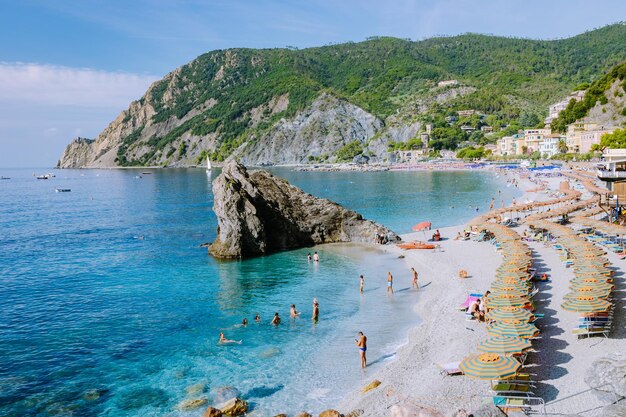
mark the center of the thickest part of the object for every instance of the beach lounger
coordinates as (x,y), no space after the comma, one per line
(470,299)
(508,403)
(506,388)
(451,368)
(593,331)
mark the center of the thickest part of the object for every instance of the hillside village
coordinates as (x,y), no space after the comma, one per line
(579,138)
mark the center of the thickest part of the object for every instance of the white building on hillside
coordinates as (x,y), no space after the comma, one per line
(549,146)
(556,108)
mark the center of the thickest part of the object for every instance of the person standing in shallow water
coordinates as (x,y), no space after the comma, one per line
(362,284)
(361,343)
(308,257)
(276,319)
(414,283)
(389,282)
(316,257)
(316,311)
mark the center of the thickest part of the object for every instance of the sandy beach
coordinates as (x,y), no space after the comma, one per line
(557,363)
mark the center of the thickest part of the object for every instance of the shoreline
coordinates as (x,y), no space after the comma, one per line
(559,363)
(400,377)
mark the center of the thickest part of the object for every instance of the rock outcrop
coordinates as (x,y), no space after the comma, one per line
(234,407)
(320,130)
(259,213)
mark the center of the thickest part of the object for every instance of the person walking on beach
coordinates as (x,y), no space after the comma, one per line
(316,310)
(293,313)
(493,201)
(316,257)
(276,319)
(414,282)
(361,343)
(389,282)
(362,284)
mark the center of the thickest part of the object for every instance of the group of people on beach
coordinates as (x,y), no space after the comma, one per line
(477,308)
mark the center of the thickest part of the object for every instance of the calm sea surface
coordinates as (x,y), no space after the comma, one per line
(109,307)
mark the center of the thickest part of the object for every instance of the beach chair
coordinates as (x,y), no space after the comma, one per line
(450,368)
(509,388)
(523,403)
(592,331)
(469,300)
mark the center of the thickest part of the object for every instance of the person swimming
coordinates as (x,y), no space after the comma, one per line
(293,312)
(276,319)
(361,343)
(244,322)
(257,318)
(223,340)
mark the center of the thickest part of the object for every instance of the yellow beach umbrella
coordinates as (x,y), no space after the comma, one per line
(510,313)
(512,328)
(489,366)
(504,345)
(585,304)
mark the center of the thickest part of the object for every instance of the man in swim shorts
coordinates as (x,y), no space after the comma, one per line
(390,282)
(361,343)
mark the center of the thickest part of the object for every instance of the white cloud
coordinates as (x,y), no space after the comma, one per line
(27,83)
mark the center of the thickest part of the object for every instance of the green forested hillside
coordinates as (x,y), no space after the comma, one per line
(512,80)
(594,93)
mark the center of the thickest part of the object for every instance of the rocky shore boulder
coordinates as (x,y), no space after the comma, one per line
(234,407)
(259,214)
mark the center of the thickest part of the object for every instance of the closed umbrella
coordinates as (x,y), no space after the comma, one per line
(504,345)
(489,366)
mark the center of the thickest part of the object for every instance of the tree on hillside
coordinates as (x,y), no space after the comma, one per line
(615,140)
(529,119)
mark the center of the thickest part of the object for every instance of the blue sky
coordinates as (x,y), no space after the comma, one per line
(68,67)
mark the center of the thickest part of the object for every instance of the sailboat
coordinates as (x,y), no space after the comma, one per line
(208,165)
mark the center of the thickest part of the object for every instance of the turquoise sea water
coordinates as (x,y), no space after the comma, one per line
(109,306)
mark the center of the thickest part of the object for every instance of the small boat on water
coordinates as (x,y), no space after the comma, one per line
(208,165)
(416,245)
(5,178)
(62,190)
(147,173)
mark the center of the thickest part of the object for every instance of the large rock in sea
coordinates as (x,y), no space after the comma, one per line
(258,214)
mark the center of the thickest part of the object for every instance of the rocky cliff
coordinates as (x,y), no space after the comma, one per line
(259,213)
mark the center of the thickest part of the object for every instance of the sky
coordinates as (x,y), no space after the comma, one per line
(69,67)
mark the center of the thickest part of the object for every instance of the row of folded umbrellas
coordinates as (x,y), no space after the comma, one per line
(591,287)
(605,227)
(564,209)
(508,304)
(569,195)
(587,181)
